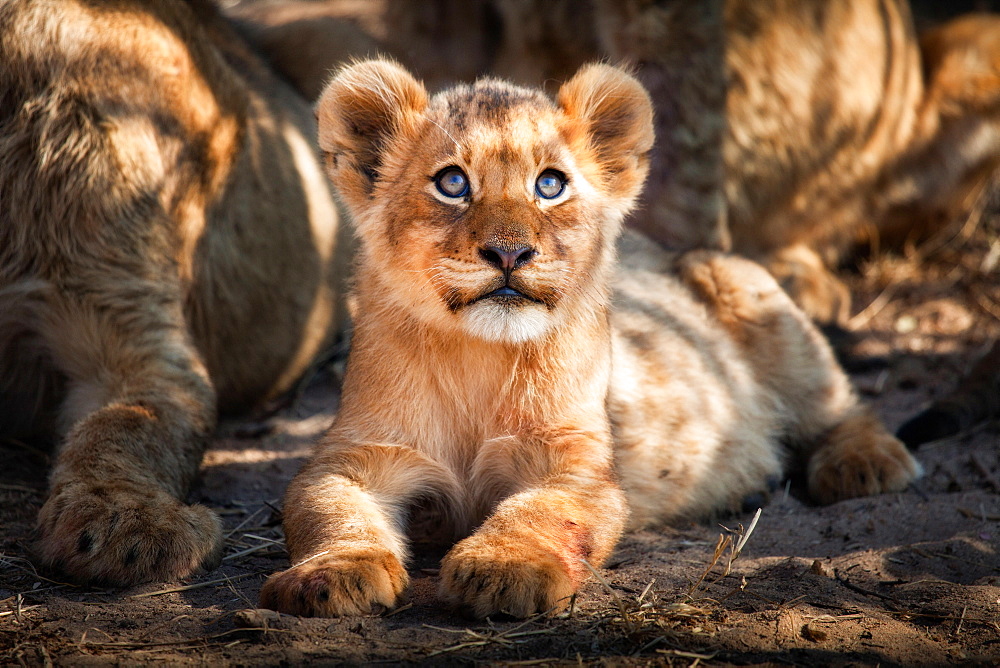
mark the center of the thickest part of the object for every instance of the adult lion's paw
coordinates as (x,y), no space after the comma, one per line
(352,583)
(859,464)
(120,534)
(816,290)
(488,576)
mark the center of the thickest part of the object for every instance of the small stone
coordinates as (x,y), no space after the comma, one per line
(819,568)
(257,619)
(815,632)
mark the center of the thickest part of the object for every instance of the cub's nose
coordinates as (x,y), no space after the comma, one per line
(507,260)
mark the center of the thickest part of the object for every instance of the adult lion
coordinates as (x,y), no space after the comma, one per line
(167,250)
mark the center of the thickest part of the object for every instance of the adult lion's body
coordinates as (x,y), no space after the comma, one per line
(793,132)
(509,378)
(167,249)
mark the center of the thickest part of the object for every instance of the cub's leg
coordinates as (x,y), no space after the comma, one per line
(344,528)
(846,449)
(138,413)
(527,556)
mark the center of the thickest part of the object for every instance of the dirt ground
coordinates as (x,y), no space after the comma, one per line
(902,579)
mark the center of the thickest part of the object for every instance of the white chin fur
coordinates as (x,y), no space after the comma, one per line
(491,321)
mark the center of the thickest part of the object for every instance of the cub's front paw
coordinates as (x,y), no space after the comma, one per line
(117,533)
(514,577)
(852,465)
(345,583)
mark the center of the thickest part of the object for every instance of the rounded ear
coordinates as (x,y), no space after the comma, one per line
(615,111)
(360,111)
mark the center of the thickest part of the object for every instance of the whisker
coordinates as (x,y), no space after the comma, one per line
(440,127)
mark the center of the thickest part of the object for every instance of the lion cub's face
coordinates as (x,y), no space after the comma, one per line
(488,208)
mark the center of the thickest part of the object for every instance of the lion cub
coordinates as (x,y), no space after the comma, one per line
(504,373)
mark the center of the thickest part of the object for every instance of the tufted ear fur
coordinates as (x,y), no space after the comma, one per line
(360,111)
(615,111)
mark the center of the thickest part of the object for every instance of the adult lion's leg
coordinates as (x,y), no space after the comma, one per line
(527,557)
(138,415)
(344,517)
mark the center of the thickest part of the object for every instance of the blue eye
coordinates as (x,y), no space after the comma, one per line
(452,182)
(550,184)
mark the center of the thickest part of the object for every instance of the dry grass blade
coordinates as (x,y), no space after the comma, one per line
(246,520)
(986,517)
(174,643)
(645,591)
(398,610)
(265,539)
(720,548)
(455,648)
(12,562)
(744,537)
(199,585)
(961,621)
(614,595)
(441,628)
(19,610)
(686,655)
(249,550)
(502,637)
(735,546)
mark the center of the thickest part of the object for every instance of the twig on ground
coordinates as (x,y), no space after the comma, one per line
(10,560)
(398,610)
(961,621)
(687,655)
(199,585)
(172,643)
(985,472)
(249,550)
(861,590)
(17,612)
(645,591)
(978,516)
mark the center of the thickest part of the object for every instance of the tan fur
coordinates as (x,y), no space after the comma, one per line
(167,249)
(788,131)
(305,40)
(529,420)
(836,128)
(443,40)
